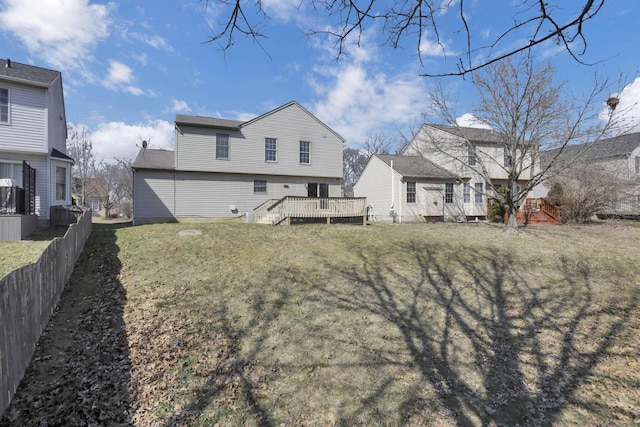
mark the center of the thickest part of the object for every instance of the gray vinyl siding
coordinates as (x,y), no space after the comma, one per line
(169,196)
(26,131)
(153,195)
(57,122)
(195,147)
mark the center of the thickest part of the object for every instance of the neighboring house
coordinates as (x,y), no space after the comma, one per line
(619,156)
(33,132)
(405,188)
(224,168)
(460,196)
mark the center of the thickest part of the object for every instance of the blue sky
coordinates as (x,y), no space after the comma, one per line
(130,66)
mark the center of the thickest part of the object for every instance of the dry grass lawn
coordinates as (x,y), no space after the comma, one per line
(430,324)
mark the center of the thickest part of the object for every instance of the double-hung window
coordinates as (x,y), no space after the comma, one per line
(448,192)
(479,192)
(305,152)
(411,192)
(270,150)
(471,157)
(637,164)
(61,183)
(222,146)
(4,106)
(508,160)
(466,193)
(260,186)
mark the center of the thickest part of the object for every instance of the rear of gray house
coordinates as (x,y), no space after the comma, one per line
(225,168)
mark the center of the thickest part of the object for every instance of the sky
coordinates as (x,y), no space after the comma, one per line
(130,66)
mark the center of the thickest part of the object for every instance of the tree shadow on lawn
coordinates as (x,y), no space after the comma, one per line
(79,373)
(497,346)
(489,344)
(232,386)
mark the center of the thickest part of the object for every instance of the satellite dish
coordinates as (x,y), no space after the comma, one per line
(144,144)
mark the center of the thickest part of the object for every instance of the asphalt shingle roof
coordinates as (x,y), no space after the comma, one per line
(472,134)
(416,166)
(611,147)
(182,119)
(149,158)
(29,73)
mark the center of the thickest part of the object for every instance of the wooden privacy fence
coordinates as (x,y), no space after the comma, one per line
(28,297)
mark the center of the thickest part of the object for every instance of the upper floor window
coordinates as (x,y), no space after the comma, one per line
(270,150)
(508,160)
(222,146)
(479,191)
(260,186)
(448,192)
(411,192)
(471,157)
(61,183)
(466,193)
(305,152)
(637,164)
(4,105)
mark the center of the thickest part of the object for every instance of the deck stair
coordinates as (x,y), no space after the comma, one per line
(538,212)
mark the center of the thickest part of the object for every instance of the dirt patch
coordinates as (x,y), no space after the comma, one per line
(185,233)
(79,373)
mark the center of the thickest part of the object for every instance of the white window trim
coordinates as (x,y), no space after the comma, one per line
(265,150)
(308,152)
(8,122)
(228,146)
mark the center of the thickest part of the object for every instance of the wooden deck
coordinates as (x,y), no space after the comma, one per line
(300,209)
(538,212)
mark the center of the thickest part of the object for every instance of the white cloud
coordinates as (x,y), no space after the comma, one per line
(119,76)
(356,102)
(156,42)
(178,106)
(430,47)
(283,10)
(122,141)
(62,32)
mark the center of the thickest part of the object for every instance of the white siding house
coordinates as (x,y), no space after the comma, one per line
(402,188)
(225,168)
(457,151)
(33,128)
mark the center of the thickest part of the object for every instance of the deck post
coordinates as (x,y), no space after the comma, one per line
(328,220)
(289,220)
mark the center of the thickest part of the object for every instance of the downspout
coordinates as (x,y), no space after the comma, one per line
(391,209)
(400,200)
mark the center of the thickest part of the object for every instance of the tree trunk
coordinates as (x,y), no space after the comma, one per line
(512,222)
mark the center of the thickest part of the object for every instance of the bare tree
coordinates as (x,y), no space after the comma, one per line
(378,143)
(527,114)
(587,187)
(80,148)
(112,185)
(532,22)
(353,162)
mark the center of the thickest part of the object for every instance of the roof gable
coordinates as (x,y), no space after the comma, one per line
(477,135)
(16,71)
(293,104)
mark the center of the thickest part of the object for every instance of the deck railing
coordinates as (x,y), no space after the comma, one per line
(291,207)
